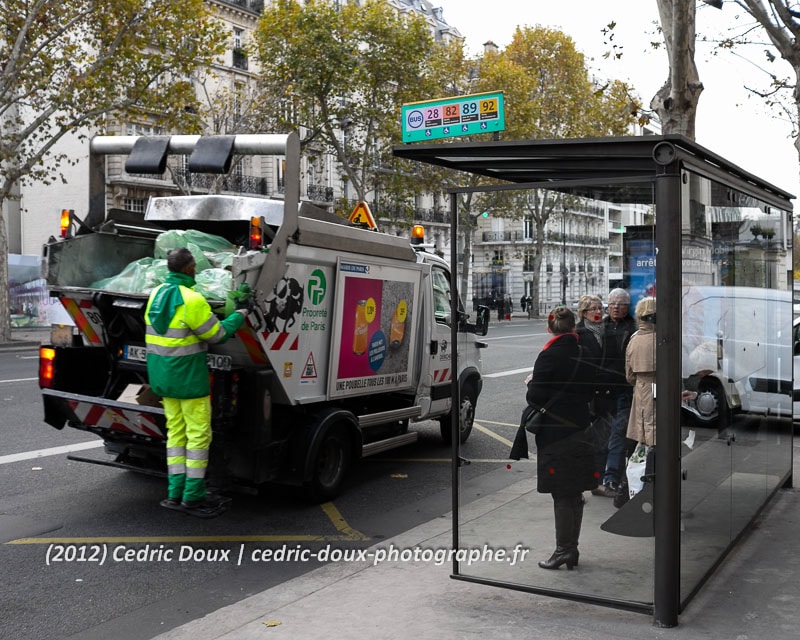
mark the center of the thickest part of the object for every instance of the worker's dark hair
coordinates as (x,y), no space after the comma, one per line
(179,259)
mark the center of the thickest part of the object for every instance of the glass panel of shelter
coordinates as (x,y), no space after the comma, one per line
(736,367)
(591,243)
(736,405)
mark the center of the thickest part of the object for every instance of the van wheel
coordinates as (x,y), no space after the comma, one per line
(330,466)
(469,397)
(712,405)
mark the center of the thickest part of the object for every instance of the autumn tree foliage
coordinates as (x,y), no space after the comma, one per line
(549,94)
(68,66)
(339,73)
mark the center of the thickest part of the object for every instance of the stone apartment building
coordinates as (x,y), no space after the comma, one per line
(583,246)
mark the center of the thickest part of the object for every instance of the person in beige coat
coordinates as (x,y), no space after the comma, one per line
(640,370)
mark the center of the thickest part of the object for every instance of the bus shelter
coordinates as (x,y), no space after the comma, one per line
(713,244)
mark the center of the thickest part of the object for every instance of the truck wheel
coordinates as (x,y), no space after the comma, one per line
(330,465)
(466,416)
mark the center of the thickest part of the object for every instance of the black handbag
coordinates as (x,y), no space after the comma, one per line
(534,418)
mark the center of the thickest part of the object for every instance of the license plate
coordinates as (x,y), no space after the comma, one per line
(132,352)
(214,360)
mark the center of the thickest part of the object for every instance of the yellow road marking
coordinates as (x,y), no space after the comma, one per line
(447,460)
(348,535)
(371,459)
(339,522)
(502,424)
(492,434)
(155,539)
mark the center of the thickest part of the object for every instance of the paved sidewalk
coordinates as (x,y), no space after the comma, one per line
(755,594)
(26,338)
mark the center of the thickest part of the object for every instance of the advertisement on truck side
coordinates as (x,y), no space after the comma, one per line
(376,326)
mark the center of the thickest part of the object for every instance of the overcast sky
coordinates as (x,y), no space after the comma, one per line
(729,122)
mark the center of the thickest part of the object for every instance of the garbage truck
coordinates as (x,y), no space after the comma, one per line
(347,342)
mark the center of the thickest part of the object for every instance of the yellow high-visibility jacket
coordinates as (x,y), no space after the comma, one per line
(180,324)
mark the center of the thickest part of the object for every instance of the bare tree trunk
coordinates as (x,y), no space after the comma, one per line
(464,286)
(537,270)
(676,102)
(5,312)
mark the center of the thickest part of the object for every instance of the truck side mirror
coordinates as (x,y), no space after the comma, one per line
(482,321)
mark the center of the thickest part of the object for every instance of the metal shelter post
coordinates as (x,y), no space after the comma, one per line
(666,597)
(455,401)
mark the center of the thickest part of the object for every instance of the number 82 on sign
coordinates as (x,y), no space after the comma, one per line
(459,116)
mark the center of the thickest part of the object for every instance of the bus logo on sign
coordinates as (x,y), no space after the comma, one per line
(456,116)
(414,119)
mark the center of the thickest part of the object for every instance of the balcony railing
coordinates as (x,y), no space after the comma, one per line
(256,6)
(319,193)
(232,183)
(502,236)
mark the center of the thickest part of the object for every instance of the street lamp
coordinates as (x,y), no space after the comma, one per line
(345,124)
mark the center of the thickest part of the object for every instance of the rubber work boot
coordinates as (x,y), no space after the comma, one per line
(209,507)
(565,553)
(171,503)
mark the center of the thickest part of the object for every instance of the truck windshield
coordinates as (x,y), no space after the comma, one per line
(441,295)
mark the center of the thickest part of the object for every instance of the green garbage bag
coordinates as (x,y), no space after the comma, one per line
(205,242)
(132,279)
(214,284)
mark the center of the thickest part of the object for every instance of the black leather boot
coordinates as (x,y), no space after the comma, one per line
(576,527)
(565,553)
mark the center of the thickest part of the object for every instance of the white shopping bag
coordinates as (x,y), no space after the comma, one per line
(636,469)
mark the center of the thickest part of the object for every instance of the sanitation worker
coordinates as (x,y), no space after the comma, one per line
(180,324)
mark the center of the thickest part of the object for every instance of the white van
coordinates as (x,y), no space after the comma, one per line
(737,351)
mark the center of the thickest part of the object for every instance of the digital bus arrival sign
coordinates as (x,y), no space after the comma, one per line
(459,116)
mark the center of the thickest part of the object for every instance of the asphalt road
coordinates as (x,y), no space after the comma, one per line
(88,552)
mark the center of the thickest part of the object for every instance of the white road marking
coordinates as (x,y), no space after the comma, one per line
(525,335)
(512,372)
(52,451)
(19,380)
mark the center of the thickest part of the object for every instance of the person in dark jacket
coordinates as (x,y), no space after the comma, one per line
(617,391)
(565,457)
(590,329)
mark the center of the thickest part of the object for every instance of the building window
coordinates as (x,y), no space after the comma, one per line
(138,129)
(280,174)
(528,228)
(239,54)
(137,205)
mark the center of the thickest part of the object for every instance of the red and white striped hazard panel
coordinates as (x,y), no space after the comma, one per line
(87,318)
(441,375)
(279,341)
(116,419)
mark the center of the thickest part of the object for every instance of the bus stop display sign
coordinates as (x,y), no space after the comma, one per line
(459,116)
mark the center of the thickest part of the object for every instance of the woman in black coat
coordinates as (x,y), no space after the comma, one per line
(565,457)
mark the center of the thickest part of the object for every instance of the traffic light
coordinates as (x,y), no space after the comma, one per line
(485,214)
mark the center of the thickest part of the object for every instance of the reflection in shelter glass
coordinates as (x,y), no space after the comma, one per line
(735,381)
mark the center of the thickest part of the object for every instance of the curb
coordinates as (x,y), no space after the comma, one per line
(18,345)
